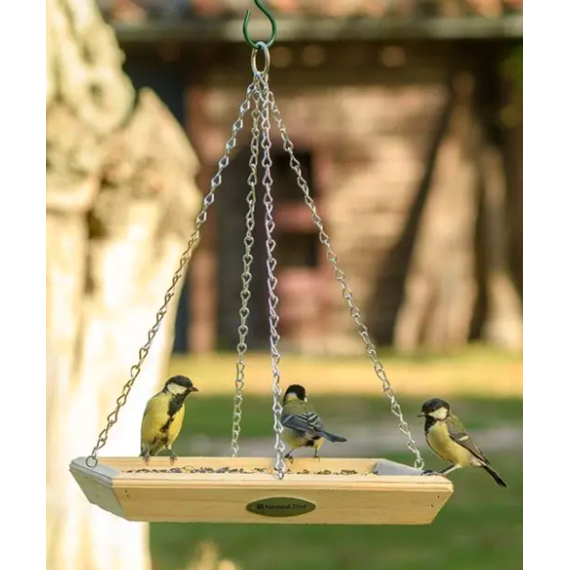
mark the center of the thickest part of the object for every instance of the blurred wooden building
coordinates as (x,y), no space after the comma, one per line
(404,117)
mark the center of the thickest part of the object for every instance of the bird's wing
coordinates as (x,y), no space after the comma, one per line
(152,420)
(312,417)
(459,435)
(302,422)
(149,406)
(147,428)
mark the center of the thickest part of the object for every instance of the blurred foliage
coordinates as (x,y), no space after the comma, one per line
(511,70)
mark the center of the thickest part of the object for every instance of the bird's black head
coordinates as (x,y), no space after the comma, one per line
(295,391)
(435,408)
(180,385)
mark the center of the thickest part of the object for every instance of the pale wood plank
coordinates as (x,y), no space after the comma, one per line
(364,498)
(97,485)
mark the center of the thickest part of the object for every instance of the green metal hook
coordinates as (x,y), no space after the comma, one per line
(252,44)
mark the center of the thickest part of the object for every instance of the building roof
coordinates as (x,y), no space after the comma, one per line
(150,10)
(221,20)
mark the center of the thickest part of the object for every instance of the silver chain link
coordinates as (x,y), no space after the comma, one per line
(259,91)
(246,278)
(112,418)
(267,181)
(346,292)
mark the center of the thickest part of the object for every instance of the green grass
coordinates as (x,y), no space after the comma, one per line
(212,416)
(480,527)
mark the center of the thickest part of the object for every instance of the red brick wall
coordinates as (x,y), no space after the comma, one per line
(369,127)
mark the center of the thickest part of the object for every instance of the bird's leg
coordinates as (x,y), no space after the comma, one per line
(449,469)
(316,455)
(173,456)
(443,472)
(146,457)
(289,456)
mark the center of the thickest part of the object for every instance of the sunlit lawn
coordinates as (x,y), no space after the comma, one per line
(477,370)
(479,528)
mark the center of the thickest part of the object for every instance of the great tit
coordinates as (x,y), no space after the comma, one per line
(163,417)
(447,437)
(302,425)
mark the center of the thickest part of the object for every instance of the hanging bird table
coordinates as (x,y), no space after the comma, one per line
(250,489)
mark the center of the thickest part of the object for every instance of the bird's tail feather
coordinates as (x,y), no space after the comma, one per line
(498,479)
(332,437)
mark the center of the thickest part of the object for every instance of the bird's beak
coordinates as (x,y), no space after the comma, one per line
(421,415)
(194,389)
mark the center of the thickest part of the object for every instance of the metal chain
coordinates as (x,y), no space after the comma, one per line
(346,292)
(246,278)
(112,418)
(267,181)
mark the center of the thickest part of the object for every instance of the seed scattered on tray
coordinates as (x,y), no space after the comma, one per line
(234,470)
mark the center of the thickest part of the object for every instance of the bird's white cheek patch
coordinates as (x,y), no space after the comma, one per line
(176,389)
(439,414)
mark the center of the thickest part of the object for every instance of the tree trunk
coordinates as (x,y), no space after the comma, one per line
(120,199)
(440,287)
(503,325)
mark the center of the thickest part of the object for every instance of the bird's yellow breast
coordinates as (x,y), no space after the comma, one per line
(440,441)
(157,424)
(296,439)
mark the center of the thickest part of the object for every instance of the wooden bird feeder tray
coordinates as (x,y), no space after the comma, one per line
(261,490)
(245,490)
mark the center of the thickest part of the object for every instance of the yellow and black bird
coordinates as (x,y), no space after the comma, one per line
(447,437)
(163,417)
(302,425)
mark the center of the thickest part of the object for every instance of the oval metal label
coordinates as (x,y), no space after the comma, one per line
(281,507)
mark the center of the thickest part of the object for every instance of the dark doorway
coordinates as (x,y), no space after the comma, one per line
(299,255)
(296,234)
(231,209)
(296,251)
